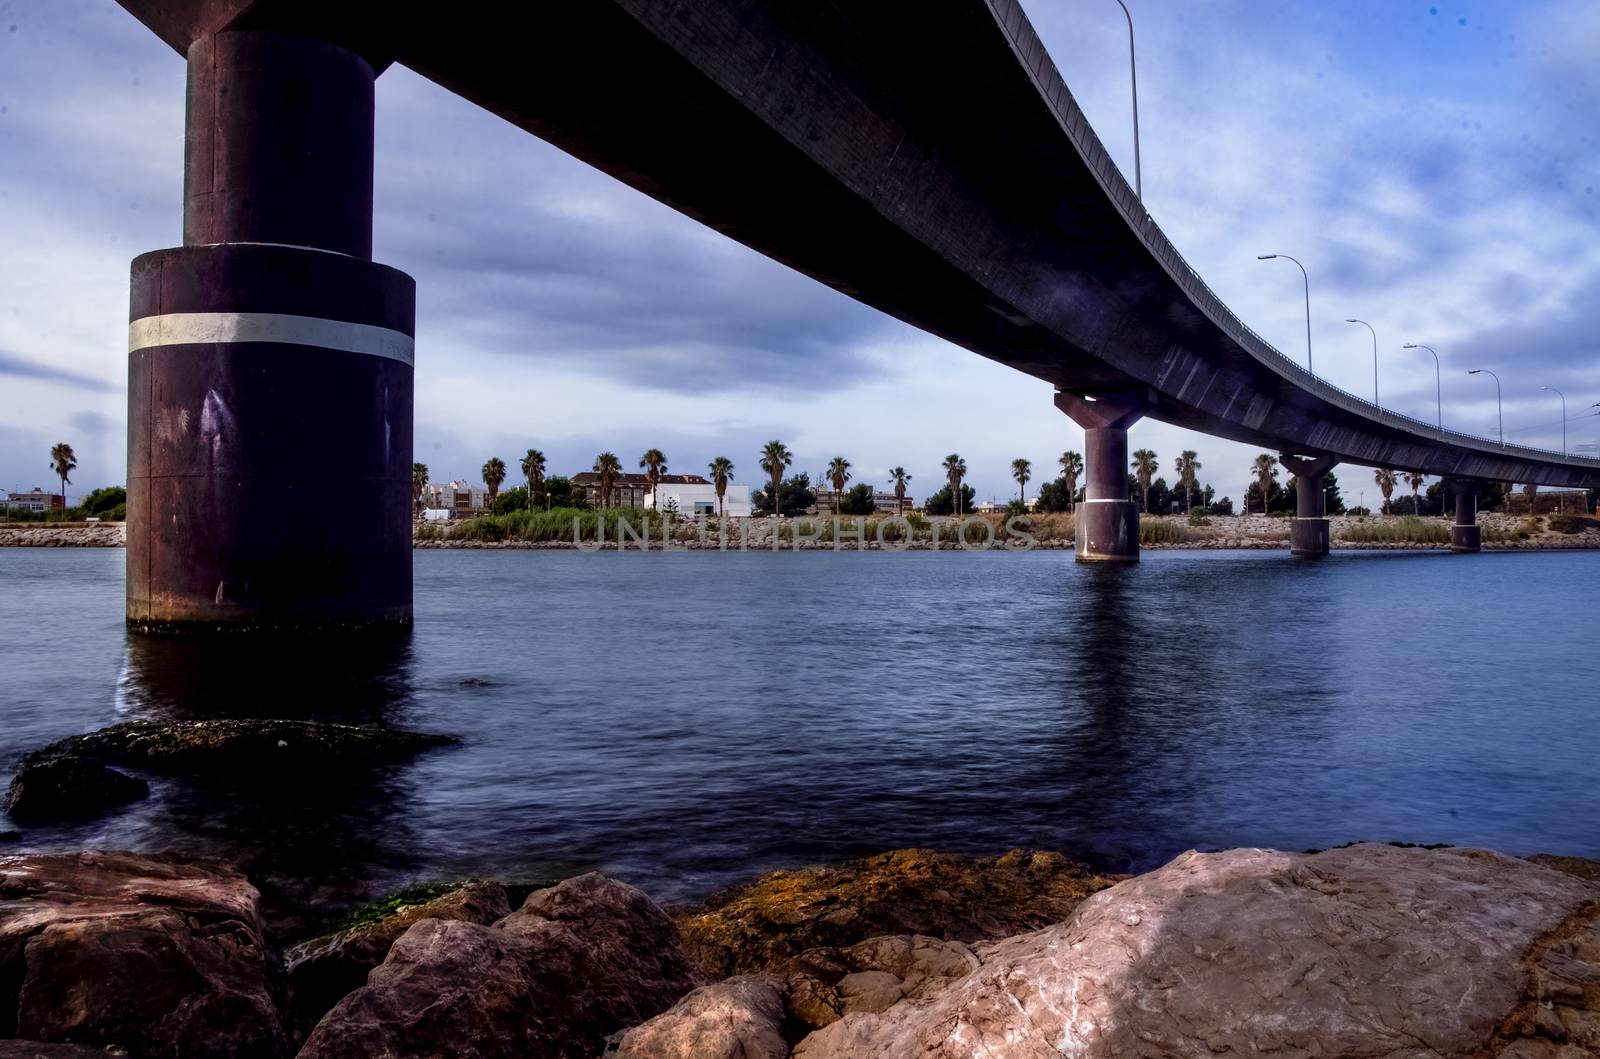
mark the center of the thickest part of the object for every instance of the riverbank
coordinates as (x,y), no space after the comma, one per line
(64,535)
(981,532)
(911,954)
(1049,532)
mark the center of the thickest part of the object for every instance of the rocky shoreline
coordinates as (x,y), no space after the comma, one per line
(1365,950)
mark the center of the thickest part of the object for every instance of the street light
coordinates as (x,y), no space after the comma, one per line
(1368,326)
(1307,278)
(1133,72)
(1438,385)
(1498,409)
(1563,397)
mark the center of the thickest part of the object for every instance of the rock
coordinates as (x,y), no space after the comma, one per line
(1362,951)
(230,745)
(757,927)
(738,1018)
(40,1050)
(158,955)
(56,788)
(577,962)
(825,984)
(1579,866)
(73,778)
(325,970)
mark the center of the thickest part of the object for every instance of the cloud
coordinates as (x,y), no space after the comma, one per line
(21,367)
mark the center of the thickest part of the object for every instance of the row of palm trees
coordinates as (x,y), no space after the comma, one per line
(776,459)
(1265,470)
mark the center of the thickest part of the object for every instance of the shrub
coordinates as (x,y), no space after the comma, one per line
(1163,531)
(1570,524)
(1408,529)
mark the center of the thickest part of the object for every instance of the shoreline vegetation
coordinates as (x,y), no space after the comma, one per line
(635,529)
(613,529)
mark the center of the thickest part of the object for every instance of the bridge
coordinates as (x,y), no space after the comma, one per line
(923,157)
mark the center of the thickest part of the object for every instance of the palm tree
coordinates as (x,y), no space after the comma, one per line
(1022,470)
(494,473)
(1266,471)
(838,474)
(775,459)
(898,478)
(63,461)
(654,463)
(1071,467)
(533,470)
(1415,480)
(1144,465)
(607,468)
(419,485)
(1387,479)
(721,475)
(955,469)
(1188,463)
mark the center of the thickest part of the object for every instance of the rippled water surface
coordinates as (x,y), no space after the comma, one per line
(685,720)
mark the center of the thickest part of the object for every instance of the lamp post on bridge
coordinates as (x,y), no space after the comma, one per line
(1561,499)
(1306,276)
(1499,409)
(1133,73)
(1369,327)
(1438,383)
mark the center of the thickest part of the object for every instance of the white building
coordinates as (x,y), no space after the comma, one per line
(459,499)
(38,500)
(692,500)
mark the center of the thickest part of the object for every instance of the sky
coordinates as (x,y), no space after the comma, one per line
(1435,165)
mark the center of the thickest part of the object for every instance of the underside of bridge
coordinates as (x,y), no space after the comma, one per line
(923,157)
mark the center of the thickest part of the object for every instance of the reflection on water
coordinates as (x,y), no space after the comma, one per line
(354,679)
(685,720)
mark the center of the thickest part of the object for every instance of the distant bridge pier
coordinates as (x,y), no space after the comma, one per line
(1308,533)
(1466,535)
(1108,519)
(270,360)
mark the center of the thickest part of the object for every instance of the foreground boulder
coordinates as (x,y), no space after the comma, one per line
(1363,951)
(914,891)
(325,970)
(79,776)
(738,1018)
(577,962)
(157,955)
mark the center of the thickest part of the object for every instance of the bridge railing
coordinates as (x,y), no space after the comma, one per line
(1053,87)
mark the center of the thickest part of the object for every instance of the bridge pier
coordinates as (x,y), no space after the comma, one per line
(270,360)
(1308,533)
(1466,535)
(1108,519)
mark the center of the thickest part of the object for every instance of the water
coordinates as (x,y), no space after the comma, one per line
(687,720)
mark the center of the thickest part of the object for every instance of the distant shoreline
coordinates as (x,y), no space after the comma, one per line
(1219,533)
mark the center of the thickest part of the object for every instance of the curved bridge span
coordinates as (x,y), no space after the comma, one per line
(923,157)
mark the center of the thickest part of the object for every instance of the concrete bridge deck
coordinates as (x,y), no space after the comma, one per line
(923,157)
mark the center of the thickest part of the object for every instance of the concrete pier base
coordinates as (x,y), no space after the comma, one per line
(270,361)
(1107,531)
(1107,522)
(1466,535)
(1309,536)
